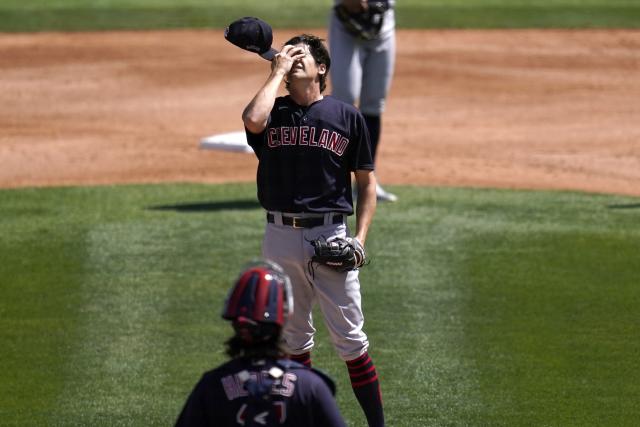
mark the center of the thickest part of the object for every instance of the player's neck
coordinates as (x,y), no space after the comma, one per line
(305,95)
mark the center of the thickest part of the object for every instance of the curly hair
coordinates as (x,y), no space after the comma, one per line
(261,340)
(318,51)
(238,348)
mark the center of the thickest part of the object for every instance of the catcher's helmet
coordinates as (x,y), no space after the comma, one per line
(260,302)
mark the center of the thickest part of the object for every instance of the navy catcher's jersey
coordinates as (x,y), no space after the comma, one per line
(306,155)
(299,397)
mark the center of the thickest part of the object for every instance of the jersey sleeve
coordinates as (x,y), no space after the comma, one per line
(255,141)
(362,156)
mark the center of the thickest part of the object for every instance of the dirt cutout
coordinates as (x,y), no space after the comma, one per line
(509,109)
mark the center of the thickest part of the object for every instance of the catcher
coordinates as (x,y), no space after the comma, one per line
(258,386)
(307,146)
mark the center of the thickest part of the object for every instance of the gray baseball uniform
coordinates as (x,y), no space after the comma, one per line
(361,73)
(362,70)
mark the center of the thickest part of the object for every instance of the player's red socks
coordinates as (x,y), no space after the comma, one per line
(304,358)
(364,380)
(365,384)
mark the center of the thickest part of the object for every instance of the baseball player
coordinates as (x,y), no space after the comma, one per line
(307,146)
(363,47)
(258,386)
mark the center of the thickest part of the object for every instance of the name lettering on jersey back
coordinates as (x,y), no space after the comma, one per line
(307,136)
(284,386)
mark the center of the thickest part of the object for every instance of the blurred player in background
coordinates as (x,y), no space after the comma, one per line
(362,43)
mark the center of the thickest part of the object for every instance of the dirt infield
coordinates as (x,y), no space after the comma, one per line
(510,109)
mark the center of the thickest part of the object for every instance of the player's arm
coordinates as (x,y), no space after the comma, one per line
(366,205)
(256,115)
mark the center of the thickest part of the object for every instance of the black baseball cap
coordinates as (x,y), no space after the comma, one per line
(251,34)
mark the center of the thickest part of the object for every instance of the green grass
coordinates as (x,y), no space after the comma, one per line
(483,307)
(77,15)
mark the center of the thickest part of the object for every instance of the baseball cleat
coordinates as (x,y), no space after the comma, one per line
(385,196)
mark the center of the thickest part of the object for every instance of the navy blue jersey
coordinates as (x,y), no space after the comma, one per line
(224,397)
(306,156)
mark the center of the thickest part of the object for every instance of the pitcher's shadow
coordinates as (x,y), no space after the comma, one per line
(199,207)
(624,206)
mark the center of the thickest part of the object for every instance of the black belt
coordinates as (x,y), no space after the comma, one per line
(305,222)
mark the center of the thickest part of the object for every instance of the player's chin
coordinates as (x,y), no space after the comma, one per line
(300,75)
